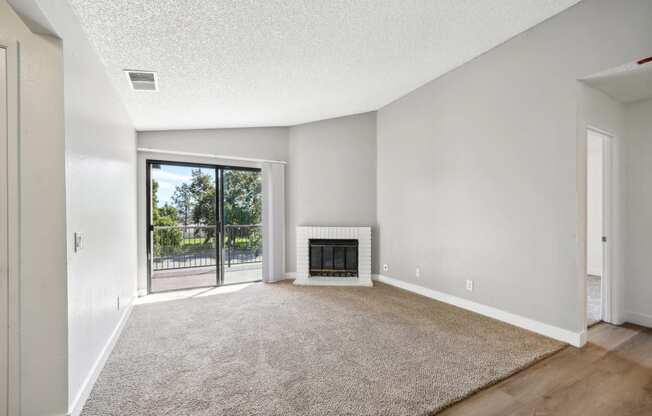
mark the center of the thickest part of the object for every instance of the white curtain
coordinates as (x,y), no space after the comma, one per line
(273,222)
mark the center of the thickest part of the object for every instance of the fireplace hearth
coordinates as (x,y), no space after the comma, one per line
(333,257)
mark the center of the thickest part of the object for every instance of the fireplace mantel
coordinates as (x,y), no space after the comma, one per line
(362,234)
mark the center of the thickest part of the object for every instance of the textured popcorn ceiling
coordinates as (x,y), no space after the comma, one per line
(283,62)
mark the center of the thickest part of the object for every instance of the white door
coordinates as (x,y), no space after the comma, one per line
(595,203)
(599,285)
(4,260)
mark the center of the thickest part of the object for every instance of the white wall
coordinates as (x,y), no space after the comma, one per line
(331,177)
(594,202)
(100,152)
(638,264)
(479,171)
(43,314)
(258,143)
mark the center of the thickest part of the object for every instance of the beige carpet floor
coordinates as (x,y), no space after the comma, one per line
(278,349)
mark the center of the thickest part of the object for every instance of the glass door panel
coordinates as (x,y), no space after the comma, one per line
(183,231)
(242,245)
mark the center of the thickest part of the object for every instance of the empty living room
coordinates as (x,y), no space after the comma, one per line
(325,208)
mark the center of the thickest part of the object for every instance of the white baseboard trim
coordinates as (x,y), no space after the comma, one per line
(576,339)
(594,272)
(292,275)
(639,319)
(78,404)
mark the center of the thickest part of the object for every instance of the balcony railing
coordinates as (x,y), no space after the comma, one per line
(188,246)
(243,244)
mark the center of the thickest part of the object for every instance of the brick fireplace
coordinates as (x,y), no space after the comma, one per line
(325,256)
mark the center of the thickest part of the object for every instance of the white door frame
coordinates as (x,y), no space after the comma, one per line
(606,281)
(9,240)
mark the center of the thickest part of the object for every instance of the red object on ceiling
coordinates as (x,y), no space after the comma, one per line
(645,60)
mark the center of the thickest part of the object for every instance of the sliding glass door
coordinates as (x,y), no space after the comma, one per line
(204,225)
(243,236)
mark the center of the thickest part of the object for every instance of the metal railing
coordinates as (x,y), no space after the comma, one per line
(243,244)
(189,246)
(184,246)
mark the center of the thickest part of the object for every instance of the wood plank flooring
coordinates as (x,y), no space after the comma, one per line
(611,375)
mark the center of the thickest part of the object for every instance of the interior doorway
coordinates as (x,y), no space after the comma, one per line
(204,225)
(597,195)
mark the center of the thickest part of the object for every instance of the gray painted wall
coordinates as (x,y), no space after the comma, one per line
(477,170)
(331,177)
(638,267)
(100,149)
(42,250)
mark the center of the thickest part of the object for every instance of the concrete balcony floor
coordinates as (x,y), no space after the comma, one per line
(177,279)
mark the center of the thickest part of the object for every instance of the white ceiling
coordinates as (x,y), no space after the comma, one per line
(283,62)
(628,83)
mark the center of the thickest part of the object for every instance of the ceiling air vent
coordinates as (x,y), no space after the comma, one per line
(142,80)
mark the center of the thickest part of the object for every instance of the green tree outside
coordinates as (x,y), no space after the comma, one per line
(166,240)
(243,206)
(194,203)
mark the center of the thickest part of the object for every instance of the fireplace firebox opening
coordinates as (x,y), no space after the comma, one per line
(337,258)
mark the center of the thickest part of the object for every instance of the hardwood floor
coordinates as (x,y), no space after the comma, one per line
(611,375)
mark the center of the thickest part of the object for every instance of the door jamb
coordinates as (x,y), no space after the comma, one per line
(13,227)
(607,289)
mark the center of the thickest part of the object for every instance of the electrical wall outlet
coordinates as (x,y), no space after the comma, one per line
(469,285)
(417,272)
(77,241)
(385,267)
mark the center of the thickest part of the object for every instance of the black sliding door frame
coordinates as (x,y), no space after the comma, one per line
(219,206)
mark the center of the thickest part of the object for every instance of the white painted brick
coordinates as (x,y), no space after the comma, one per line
(362,234)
